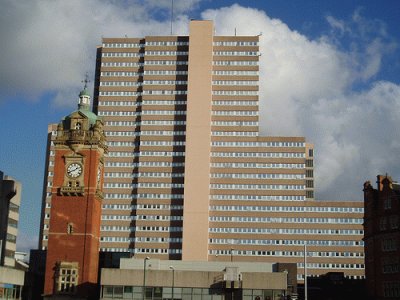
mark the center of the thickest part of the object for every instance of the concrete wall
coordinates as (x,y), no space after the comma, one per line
(11,276)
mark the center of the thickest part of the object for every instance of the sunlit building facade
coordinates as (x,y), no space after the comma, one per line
(188,177)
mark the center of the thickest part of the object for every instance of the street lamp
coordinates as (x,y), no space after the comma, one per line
(287,283)
(144,276)
(231,254)
(305,272)
(173,280)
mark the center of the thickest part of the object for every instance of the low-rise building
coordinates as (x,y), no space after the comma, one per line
(382,238)
(194,280)
(11,279)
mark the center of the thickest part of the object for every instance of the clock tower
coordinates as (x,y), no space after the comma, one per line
(73,241)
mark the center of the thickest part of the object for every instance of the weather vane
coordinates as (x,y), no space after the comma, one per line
(86,80)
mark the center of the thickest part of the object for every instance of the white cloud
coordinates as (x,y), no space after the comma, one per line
(306,86)
(50,45)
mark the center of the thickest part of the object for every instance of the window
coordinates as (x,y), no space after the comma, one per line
(67,277)
(70,228)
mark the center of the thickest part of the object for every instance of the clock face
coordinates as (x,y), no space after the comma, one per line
(74,170)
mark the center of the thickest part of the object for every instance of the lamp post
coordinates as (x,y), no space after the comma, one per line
(144,276)
(287,281)
(231,254)
(173,280)
(305,271)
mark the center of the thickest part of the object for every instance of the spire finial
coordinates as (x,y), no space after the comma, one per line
(86,80)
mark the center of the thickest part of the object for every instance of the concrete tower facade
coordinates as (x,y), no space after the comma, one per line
(187,175)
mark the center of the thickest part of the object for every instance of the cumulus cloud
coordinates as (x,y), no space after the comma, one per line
(324,88)
(50,45)
(308,88)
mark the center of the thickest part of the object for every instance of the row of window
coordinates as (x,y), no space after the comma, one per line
(235,93)
(313,209)
(120,83)
(331,266)
(288,253)
(234,133)
(259,154)
(157,240)
(122,123)
(165,72)
(115,228)
(234,123)
(166,53)
(120,185)
(121,74)
(258,165)
(118,113)
(235,63)
(220,186)
(119,103)
(151,63)
(235,82)
(142,206)
(235,72)
(173,112)
(161,153)
(163,122)
(163,143)
(142,174)
(122,45)
(162,132)
(166,62)
(167,43)
(286,220)
(158,218)
(158,228)
(235,103)
(141,217)
(235,112)
(145,164)
(289,242)
(299,231)
(149,72)
(122,154)
(165,82)
(159,185)
(119,93)
(164,112)
(258,197)
(122,144)
(236,43)
(121,54)
(236,53)
(164,92)
(114,196)
(144,132)
(158,251)
(258,144)
(257,176)
(121,64)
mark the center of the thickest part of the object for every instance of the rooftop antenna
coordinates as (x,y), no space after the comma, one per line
(235,31)
(172,13)
(86,80)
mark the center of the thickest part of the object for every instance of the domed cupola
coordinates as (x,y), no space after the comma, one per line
(84,99)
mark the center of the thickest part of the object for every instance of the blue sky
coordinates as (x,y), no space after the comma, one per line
(329,71)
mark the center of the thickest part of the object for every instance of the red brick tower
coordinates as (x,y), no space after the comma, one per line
(73,245)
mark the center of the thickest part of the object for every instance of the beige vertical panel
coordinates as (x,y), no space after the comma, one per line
(198,142)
